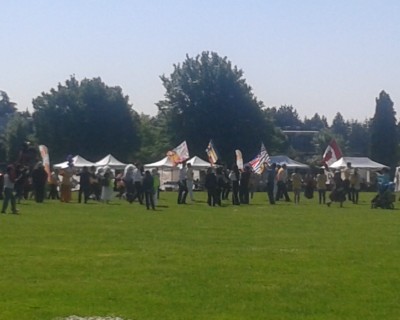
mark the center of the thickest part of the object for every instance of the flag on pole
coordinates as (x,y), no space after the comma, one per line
(239,159)
(331,154)
(179,154)
(258,163)
(212,153)
(44,152)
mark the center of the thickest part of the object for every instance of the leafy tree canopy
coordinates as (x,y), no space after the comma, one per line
(208,98)
(87,118)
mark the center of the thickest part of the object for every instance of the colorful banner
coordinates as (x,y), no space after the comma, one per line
(258,163)
(212,153)
(239,159)
(44,152)
(179,154)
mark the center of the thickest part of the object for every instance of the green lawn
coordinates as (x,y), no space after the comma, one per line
(191,261)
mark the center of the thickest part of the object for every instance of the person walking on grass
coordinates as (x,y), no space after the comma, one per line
(296,185)
(189,181)
(211,186)
(355,186)
(234,177)
(338,193)
(156,185)
(183,190)
(8,188)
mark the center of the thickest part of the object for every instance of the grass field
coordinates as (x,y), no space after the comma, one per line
(191,261)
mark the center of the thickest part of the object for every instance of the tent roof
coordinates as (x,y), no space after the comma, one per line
(357,162)
(163,163)
(198,163)
(290,163)
(110,161)
(78,162)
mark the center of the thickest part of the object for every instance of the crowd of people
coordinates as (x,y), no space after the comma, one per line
(136,184)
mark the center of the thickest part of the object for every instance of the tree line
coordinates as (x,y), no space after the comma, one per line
(206,97)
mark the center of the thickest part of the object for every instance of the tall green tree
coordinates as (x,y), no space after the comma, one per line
(18,130)
(384,141)
(285,117)
(315,123)
(6,106)
(87,118)
(208,98)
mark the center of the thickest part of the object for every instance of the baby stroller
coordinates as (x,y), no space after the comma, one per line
(385,198)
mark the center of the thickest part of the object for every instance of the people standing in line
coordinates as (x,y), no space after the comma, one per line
(355,185)
(84,185)
(234,177)
(189,181)
(8,189)
(148,189)
(282,177)
(211,186)
(137,182)
(271,178)
(183,190)
(321,186)
(156,185)
(346,181)
(244,185)
(66,184)
(39,180)
(297,182)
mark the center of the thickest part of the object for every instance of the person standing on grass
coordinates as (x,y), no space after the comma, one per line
(355,184)
(156,185)
(296,185)
(211,186)
(8,188)
(39,179)
(244,185)
(21,174)
(53,185)
(189,181)
(84,185)
(148,189)
(271,178)
(234,177)
(346,182)
(282,177)
(107,185)
(137,182)
(66,184)
(321,185)
(183,190)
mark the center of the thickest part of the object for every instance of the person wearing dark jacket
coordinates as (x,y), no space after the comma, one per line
(211,186)
(84,185)
(148,189)
(39,179)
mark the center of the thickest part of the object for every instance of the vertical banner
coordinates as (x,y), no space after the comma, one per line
(239,159)
(44,152)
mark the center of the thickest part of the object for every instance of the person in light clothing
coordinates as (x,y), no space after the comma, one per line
(321,186)
(296,185)
(8,188)
(183,190)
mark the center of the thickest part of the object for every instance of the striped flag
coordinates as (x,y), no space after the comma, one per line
(212,153)
(258,162)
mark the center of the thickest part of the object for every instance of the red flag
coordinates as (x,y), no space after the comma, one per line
(332,153)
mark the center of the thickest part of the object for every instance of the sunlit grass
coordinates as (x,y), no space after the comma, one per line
(287,261)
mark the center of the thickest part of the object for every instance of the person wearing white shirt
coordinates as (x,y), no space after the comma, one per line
(183,190)
(9,179)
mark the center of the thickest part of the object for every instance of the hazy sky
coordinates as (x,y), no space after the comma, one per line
(318,56)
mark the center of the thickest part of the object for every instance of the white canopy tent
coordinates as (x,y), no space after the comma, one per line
(111,162)
(358,162)
(290,163)
(78,162)
(166,169)
(364,165)
(198,163)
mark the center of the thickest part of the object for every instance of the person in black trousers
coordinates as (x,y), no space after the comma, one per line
(84,185)
(148,189)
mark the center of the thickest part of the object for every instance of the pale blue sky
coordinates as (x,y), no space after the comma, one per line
(319,56)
